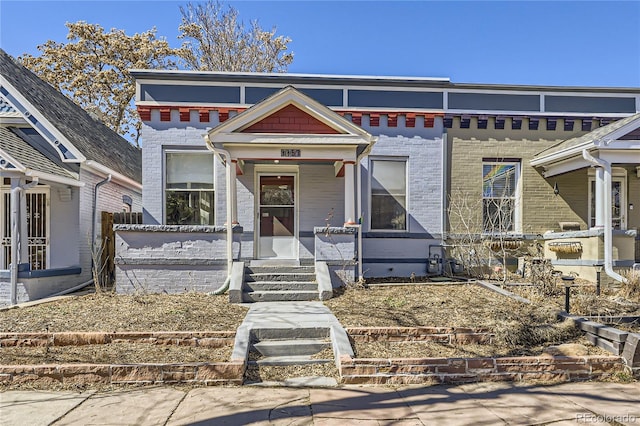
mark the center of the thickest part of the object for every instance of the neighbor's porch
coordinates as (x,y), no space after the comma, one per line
(40,230)
(610,188)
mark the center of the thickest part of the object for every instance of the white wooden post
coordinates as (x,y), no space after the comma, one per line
(601,202)
(233,192)
(349,193)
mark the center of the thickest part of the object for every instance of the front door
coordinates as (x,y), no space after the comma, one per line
(277,217)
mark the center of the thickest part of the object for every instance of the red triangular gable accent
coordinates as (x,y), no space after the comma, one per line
(290,119)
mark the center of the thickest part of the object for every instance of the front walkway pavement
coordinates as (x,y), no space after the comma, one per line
(472,404)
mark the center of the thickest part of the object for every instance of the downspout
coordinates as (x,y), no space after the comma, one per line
(15,236)
(229,164)
(94,215)
(608,228)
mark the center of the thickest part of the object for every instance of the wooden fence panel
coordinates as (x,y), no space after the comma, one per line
(106,269)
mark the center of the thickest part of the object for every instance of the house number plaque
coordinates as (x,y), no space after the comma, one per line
(289,153)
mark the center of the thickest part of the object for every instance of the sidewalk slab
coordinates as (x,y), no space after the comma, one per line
(523,405)
(149,406)
(357,422)
(447,405)
(239,406)
(37,408)
(360,404)
(614,402)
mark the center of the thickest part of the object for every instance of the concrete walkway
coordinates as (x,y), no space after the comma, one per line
(473,404)
(290,320)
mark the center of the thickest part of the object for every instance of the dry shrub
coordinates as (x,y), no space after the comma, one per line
(591,304)
(522,333)
(631,289)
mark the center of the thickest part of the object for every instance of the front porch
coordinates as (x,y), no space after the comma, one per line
(39,216)
(177,259)
(608,247)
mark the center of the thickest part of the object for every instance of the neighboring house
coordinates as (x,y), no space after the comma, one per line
(54,159)
(295,161)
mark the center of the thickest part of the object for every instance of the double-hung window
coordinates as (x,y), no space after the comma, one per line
(189,188)
(388,194)
(500,196)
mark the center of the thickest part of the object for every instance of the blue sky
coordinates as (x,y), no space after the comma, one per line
(592,43)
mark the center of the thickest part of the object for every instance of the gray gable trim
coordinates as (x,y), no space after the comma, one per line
(16,145)
(93,139)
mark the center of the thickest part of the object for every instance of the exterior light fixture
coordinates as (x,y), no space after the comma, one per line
(556,190)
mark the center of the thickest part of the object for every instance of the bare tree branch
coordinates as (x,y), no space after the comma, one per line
(92,69)
(215,40)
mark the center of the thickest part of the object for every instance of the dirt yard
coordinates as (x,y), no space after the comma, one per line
(519,328)
(109,312)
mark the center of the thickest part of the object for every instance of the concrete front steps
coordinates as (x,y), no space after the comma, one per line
(291,344)
(250,282)
(279,284)
(292,357)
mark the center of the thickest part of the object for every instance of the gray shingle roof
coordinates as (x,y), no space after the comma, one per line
(599,133)
(28,156)
(93,139)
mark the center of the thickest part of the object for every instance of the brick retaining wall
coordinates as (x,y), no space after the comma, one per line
(210,339)
(209,373)
(219,373)
(463,370)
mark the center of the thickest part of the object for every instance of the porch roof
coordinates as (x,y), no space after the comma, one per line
(23,157)
(261,125)
(567,155)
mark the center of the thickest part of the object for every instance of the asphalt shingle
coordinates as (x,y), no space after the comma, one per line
(28,156)
(93,139)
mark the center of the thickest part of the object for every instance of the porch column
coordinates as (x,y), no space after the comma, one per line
(601,202)
(233,192)
(23,242)
(349,193)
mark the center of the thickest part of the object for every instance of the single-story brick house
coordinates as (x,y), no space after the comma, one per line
(354,171)
(58,168)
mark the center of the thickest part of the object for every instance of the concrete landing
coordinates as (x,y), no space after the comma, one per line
(290,315)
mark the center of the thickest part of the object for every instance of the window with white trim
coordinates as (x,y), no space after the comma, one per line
(189,191)
(388,194)
(500,196)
